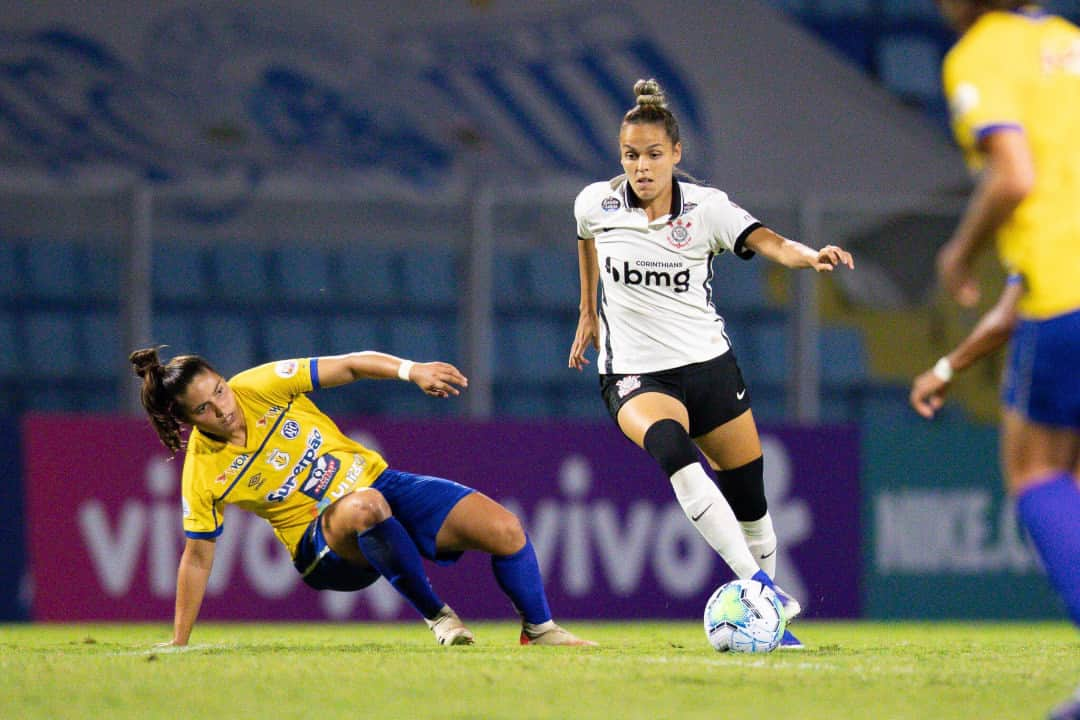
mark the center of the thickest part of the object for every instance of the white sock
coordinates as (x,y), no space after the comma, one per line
(710,513)
(762,541)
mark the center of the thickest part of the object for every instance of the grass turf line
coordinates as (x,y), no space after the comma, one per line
(641,670)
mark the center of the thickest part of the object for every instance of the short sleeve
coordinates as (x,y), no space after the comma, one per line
(728,225)
(581,214)
(982,93)
(202,514)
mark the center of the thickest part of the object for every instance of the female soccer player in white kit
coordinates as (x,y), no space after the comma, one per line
(667,370)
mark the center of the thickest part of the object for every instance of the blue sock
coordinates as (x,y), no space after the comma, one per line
(519,577)
(1050,512)
(391,551)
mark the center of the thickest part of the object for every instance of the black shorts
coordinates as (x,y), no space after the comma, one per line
(712,391)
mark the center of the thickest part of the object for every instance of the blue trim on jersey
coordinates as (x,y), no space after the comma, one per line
(315,374)
(985,131)
(256,453)
(1014,279)
(205,535)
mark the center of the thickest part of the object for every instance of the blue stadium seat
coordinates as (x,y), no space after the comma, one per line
(231,346)
(103,274)
(910,9)
(858,8)
(102,344)
(11,271)
(910,65)
(54,269)
(430,277)
(738,284)
(843,355)
(355,333)
(241,271)
(9,345)
(552,275)
(292,336)
(532,349)
(423,339)
(768,361)
(368,274)
(514,400)
(305,273)
(178,331)
(508,279)
(179,271)
(53,343)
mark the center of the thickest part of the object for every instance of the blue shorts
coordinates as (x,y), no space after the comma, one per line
(419,502)
(1042,376)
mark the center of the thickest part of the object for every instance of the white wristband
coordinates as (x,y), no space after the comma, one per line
(943,370)
(404,369)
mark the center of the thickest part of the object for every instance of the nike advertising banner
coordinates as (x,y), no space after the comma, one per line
(105,534)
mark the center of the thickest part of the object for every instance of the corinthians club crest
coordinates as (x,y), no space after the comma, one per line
(679,237)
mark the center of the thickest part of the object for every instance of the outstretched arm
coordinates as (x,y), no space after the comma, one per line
(991,332)
(438,379)
(191,579)
(792,254)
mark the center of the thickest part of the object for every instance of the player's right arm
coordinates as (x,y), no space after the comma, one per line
(990,333)
(191,579)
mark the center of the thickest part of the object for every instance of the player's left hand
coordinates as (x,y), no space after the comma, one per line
(438,379)
(830,256)
(928,394)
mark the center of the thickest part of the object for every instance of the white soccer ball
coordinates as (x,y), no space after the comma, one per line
(744,616)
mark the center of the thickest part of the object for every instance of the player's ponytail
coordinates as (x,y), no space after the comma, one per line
(651,107)
(161,386)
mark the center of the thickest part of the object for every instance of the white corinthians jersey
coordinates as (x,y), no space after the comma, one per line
(656,309)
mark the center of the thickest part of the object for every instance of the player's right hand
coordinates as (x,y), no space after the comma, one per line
(928,394)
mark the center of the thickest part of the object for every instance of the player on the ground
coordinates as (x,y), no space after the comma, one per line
(258,442)
(668,374)
(1013,86)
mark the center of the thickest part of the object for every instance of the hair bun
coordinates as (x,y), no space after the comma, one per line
(145,361)
(648,92)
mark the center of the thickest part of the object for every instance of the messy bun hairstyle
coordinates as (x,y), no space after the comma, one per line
(651,107)
(161,386)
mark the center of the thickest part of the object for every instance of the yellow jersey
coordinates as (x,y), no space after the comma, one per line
(1021,71)
(296,462)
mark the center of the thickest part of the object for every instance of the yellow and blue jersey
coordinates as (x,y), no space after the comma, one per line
(1020,71)
(295,464)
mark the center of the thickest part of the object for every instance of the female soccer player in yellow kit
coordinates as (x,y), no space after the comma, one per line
(1013,86)
(258,442)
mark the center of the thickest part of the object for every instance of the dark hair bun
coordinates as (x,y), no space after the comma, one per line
(648,92)
(145,361)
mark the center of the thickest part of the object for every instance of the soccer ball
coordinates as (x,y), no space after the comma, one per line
(744,616)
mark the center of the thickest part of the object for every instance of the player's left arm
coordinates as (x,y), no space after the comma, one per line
(1007,178)
(438,379)
(793,254)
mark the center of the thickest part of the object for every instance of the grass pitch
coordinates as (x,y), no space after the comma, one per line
(641,670)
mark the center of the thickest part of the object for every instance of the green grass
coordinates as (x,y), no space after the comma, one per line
(641,670)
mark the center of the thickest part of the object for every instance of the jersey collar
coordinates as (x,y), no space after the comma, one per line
(630,199)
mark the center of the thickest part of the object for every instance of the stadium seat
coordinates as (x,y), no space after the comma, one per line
(768,360)
(9,345)
(910,9)
(289,336)
(368,274)
(11,273)
(353,333)
(430,277)
(53,269)
(304,273)
(738,284)
(851,8)
(178,332)
(102,344)
(102,274)
(532,349)
(54,344)
(843,355)
(508,279)
(517,400)
(240,271)
(910,65)
(422,339)
(179,271)
(230,343)
(552,276)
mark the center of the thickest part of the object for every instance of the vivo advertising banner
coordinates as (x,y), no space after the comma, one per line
(105,536)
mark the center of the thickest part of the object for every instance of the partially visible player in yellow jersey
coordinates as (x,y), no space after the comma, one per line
(258,442)
(1013,86)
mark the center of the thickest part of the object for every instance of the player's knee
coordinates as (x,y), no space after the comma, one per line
(669,444)
(506,533)
(364,509)
(744,489)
